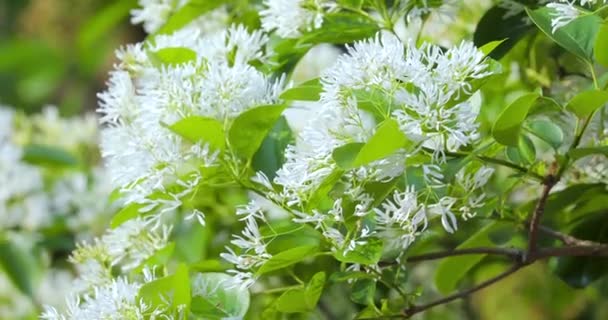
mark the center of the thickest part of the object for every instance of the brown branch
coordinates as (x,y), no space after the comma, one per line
(596,249)
(565,238)
(537,215)
(417,309)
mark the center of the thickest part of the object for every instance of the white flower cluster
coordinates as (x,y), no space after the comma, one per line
(35,198)
(143,98)
(562,11)
(425,92)
(31,201)
(289,18)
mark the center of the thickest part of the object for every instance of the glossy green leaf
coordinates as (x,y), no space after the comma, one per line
(579,272)
(526,150)
(601,45)
(125,214)
(292,301)
(363,291)
(192,10)
(44,155)
(271,155)
(452,269)
(494,25)
(345,155)
(213,300)
(201,129)
(491,46)
(387,139)
(585,103)
(288,258)
(251,127)
(548,132)
(368,253)
(302,299)
(314,289)
(507,127)
(341,27)
(307,91)
(174,55)
(578,36)
(157,292)
(349,275)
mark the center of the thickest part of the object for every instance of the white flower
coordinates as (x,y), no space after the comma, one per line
(133,242)
(400,220)
(116,300)
(562,14)
(290,17)
(199,215)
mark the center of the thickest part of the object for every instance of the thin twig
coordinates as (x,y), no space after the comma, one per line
(417,309)
(565,238)
(538,214)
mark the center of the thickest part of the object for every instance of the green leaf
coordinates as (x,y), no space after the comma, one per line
(158,292)
(174,55)
(585,103)
(181,287)
(160,257)
(270,157)
(548,132)
(314,289)
(44,155)
(507,126)
(526,150)
(601,45)
(205,309)
(345,155)
(363,291)
(491,46)
(354,4)
(387,139)
(288,258)
(452,269)
(579,272)
(214,301)
(201,129)
(307,91)
(494,27)
(191,242)
(348,275)
(251,127)
(291,301)
(17,265)
(125,214)
(192,10)
(368,253)
(577,36)
(583,152)
(340,28)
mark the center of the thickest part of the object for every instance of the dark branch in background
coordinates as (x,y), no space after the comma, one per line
(548,184)
(417,309)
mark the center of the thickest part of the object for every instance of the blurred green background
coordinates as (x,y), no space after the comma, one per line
(59,51)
